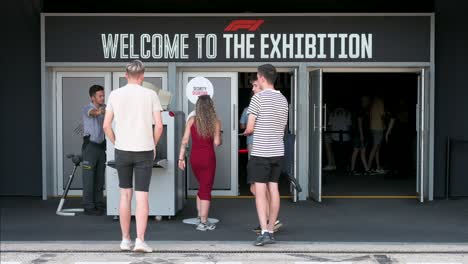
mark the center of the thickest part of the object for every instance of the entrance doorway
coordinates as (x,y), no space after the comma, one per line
(389,158)
(382,106)
(224,97)
(284,84)
(232,93)
(72,94)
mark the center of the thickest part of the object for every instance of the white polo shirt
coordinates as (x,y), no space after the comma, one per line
(133,107)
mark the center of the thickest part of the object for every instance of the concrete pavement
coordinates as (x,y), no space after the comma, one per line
(233,258)
(237,247)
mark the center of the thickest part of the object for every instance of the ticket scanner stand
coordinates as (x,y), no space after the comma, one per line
(76,159)
(167,191)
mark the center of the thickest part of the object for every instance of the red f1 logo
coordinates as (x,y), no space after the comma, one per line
(250,25)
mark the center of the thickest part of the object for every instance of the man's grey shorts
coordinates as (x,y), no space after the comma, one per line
(141,163)
(377,136)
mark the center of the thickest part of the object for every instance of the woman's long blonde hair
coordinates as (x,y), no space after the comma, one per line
(206,117)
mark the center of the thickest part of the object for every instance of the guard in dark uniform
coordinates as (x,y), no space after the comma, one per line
(94,152)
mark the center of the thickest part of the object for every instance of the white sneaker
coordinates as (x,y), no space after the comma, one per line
(126,245)
(380,171)
(329,168)
(141,246)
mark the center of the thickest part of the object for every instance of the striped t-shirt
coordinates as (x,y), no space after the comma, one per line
(271,110)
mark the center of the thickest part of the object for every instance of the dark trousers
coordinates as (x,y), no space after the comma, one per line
(94,167)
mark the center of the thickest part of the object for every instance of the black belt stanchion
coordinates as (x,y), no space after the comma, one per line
(195,220)
(288,161)
(447,168)
(76,159)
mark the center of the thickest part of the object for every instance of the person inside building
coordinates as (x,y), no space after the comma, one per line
(268,117)
(244,116)
(339,124)
(327,142)
(94,152)
(204,128)
(377,128)
(398,135)
(361,135)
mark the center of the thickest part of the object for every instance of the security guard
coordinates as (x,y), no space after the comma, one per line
(94,152)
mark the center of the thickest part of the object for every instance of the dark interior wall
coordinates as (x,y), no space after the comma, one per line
(451,109)
(238,6)
(20,103)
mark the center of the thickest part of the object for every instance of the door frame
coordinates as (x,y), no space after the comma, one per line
(174,70)
(424,177)
(315,155)
(116,75)
(423,108)
(295,107)
(234,191)
(58,124)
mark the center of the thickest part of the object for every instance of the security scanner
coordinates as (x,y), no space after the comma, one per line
(76,159)
(167,191)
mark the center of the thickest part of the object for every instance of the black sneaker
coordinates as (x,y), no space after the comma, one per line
(278,225)
(257,230)
(101,211)
(93,212)
(272,238)
(264,239)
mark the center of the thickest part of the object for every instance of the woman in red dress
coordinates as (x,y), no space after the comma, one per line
(205,130)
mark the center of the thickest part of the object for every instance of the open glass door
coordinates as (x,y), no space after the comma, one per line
(422,119)
(225,100)
(291,140)
(315,113)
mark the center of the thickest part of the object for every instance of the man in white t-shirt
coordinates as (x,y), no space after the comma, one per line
(340,120)
(134,109)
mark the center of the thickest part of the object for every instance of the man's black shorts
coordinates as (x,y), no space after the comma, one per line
(264,170)
(140,163)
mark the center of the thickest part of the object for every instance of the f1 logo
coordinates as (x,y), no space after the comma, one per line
(250,25)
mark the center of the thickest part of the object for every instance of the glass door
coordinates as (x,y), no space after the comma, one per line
(225,99)
(72,96)
(422,119)
(316,121)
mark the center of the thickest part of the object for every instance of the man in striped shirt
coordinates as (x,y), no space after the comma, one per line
(268,116)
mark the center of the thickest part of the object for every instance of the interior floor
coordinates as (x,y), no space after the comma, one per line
(341,183)
(398,92)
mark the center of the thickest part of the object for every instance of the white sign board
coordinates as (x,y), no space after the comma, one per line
(198,86)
